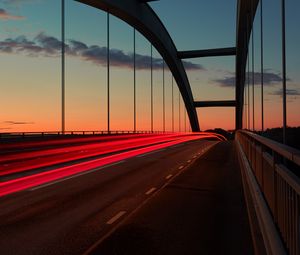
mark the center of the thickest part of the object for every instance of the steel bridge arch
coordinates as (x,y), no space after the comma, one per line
(141,16)
(245,19)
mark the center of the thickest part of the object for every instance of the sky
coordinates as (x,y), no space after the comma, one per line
(30,64)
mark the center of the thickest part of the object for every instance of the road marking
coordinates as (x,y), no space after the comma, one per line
(148,153)
(169,176)
(74,176)
(116,217)
(181,167)
(189,161)
(177,145)
(99,241)
(150,191)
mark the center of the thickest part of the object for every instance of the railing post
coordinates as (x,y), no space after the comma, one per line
(276,160)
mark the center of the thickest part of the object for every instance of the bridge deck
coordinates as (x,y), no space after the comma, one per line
(202,211)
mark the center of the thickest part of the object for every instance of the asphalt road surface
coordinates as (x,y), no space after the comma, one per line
(201,211)
(69,216)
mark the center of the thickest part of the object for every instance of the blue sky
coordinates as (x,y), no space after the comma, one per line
(195,24)
(192,24)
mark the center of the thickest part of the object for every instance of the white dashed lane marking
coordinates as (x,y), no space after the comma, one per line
(169,176)
(76,175)
(150,191)
(116,217)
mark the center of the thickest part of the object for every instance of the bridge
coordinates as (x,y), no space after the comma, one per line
(119,134)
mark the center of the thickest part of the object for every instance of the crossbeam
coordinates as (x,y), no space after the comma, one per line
(223,103)
(146,1)
(207,53)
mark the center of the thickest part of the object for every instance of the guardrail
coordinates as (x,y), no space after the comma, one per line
(277,170)
(59,133)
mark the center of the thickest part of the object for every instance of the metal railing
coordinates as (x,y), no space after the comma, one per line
(68,133)
(277,169)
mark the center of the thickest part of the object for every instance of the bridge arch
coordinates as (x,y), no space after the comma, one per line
(140,16)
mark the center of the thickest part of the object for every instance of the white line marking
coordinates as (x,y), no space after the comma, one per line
(150,191)
(112,164)
(148,153)
(189,161)
(116,217)
(74,176)
(169,176)
(181,167)
(141,205)
(177,145)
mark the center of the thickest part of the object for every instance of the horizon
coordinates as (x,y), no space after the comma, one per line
(29,46)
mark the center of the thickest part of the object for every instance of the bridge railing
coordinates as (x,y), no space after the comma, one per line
(277,170)
(86,132)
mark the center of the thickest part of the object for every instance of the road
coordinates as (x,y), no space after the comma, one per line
(68,216)
(44,156)
(201,211)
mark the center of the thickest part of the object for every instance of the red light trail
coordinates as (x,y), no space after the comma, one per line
(22,183)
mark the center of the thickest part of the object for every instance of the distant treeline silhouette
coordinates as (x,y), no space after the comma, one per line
(292,135)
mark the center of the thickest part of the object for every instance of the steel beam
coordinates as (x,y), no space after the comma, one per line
(242,42)
(146,1)
(144,19)
(225,103)
(207,53)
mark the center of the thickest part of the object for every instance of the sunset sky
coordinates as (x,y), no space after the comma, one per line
(30,66)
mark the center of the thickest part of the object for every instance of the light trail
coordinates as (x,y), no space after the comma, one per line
(23,183)
(60,141)
(32,160)
(25,161)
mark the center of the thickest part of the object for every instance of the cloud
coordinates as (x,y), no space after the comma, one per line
(11,122)
(192,66)
(4,15)
(44,45)
(289,92)
(270,78)
(17,2)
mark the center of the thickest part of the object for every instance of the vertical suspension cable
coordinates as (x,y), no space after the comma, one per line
(262,64)
(248,76)
(185,121)
(63,107)
(248,92)
(253,90)
(245,111)
(245,87)
(179,119)
(164,110)
(172,103)
(134,82)
(108,76)
(283,69)
(151,93)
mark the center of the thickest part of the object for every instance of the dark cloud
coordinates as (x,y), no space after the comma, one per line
(192,66)
(289,92)
(44,45)
(270,78)
(17,2)
(4,15)
(11,122)
(49,44)
(226,82)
